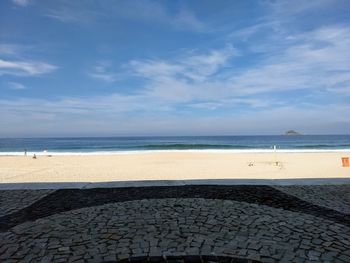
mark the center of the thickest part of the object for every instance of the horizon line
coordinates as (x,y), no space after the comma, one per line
(167,136)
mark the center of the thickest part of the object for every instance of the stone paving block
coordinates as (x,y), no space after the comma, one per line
(244,229)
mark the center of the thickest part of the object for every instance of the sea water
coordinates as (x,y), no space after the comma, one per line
(117,145)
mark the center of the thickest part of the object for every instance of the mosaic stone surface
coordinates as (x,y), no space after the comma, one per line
(336,197)
(174,224)
(14,200)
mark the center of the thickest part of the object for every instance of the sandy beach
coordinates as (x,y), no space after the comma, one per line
(171,166)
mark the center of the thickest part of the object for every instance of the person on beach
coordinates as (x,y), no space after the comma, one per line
(25,152)
(34,156)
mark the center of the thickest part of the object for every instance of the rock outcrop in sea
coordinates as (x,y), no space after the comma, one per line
(292,132)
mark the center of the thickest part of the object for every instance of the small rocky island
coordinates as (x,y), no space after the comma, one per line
(292,132)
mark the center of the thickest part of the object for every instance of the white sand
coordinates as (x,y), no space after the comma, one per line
(171,166)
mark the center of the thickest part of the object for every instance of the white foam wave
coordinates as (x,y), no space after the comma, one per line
(49,153)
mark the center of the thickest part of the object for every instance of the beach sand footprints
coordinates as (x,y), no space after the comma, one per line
(280,165)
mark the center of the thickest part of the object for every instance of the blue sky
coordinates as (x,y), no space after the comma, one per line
(125,67)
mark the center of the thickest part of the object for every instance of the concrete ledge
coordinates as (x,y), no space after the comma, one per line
(149,183)
(37,186)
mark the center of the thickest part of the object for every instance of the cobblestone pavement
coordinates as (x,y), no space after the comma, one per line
(14,200)
(336,197)
(244,223)
(69,199)
(188,259)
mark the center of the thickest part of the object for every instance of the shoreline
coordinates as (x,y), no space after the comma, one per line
(122,152)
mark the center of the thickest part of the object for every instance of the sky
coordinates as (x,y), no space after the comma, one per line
(196,67)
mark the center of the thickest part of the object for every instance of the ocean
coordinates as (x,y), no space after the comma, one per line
(109,145)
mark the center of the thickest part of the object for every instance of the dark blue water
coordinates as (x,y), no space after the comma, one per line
(110,144)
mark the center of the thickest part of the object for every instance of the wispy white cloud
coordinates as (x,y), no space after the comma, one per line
(63,16)
(22,3)
(103,76)
(72,14)
(286,7)
(144,11)
(316,60)
(104,71)
(16,86)
(280,18)
(155,68)
(186,78)
(11,50)
(25,68)
(185,19)
(19,60)
(155,12)
(194,67)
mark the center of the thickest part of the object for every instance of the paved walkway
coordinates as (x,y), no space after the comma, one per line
(176,224)
(336,197)
(12,201)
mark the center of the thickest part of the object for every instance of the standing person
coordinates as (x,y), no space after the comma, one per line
(25,152)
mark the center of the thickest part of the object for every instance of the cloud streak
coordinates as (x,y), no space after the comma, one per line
(317,61)
(25,68)
(103,71)
(150,12)
(16,86)
(22,3)
(194,77)
(11,50)
(156,13)
(72,14)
